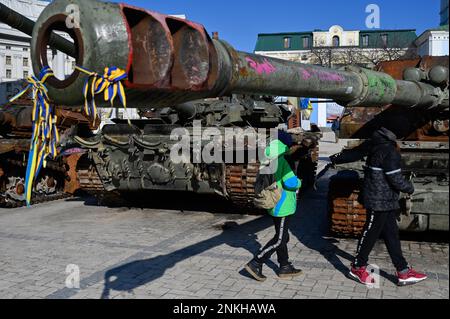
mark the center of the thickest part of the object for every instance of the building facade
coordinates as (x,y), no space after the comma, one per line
(336,46)
(433,42)
(15,58)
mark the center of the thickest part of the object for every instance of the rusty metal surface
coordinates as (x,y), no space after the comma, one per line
(54,182)
(347,214)
(396,68)
(72,184)
(49,185)
(90,180)
(360,122)
(240,184)
(14,145)
(15,120)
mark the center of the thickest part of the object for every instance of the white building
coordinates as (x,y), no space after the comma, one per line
(15,59)
(336,36)
(336,46)
(433,42)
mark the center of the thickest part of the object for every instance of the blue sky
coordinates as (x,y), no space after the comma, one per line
(240,21)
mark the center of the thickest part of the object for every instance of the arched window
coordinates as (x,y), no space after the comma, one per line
(336,41)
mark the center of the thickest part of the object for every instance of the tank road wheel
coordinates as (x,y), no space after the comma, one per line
(347,215)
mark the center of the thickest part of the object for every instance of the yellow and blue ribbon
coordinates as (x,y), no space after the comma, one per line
(110,84)
(45,136)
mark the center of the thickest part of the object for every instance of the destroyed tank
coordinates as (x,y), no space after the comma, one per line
(170,61)
(423,140)
(57,180)
(424,143)
(124,159)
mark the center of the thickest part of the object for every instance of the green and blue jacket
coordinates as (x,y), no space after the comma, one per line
(286,180)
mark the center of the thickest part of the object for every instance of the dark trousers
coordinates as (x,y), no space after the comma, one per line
(382,224)
(278,243)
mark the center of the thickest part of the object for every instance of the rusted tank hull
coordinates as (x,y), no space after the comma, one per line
(57,180)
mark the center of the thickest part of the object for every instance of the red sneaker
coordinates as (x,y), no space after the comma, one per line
(411,277)
(362,276)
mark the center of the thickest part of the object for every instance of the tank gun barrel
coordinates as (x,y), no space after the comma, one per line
(170,61)
(25,25)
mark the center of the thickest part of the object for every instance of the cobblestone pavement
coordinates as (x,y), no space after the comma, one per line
(164,252)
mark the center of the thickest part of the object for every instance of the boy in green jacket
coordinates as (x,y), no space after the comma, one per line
(282,213)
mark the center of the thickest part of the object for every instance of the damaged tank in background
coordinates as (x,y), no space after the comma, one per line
(424,147)
(57,180)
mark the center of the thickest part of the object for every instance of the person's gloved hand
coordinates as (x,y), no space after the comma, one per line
(333,159)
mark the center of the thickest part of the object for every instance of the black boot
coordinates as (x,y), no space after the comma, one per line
(254,268)
(288,271)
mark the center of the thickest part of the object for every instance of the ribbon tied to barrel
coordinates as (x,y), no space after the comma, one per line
(45,136)
(110,84)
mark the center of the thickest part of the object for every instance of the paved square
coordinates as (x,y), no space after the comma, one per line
(168,253)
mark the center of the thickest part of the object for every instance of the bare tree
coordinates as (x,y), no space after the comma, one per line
(392,50)
(322,56)
(385,49)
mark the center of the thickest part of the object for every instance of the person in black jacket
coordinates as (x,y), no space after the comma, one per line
(383,183)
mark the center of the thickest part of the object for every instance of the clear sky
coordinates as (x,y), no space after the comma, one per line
(240,21)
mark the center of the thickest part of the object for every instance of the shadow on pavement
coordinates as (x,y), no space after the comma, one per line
(138,273)
(165,200)
(310,226)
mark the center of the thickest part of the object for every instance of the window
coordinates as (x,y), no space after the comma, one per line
(384,40)
(25,61)
(25,49)
(8,60)
(8,87)
(306,42)
(336,41)
(25,74)
(365,40)
(8,47)
(8,74)
(287,42)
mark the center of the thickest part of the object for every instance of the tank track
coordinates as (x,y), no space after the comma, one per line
(240,184)
(90,182)
(347,214)
(240,181)
(50,185)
